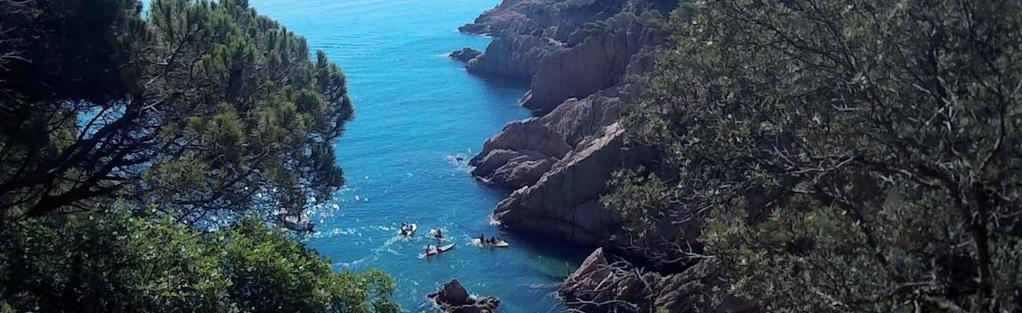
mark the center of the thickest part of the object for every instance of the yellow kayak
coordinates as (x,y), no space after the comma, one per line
(499,244)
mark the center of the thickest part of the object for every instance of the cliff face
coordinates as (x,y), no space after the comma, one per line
(583,60)
(580,58)
(532,35)
(597,63)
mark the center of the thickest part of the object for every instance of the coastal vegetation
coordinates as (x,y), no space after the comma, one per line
(164,161)
(721,155)
(116,262)
(836,156)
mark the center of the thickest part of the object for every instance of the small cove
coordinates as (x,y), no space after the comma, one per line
(419,117)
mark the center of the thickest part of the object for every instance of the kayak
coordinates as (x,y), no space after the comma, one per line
(499,244)
(410,231)
(440,250)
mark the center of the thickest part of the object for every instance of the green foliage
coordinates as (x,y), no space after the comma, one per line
(653,19)
(205,108)
(205,116)
(575,5)
(74,62)
(846,155)
(648,18)
(116,263)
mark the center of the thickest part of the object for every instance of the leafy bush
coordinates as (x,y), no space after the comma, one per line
(116,263)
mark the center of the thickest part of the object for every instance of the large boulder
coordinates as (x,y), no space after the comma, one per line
(576,120)
(453,298)
(511,169)
(519,155)
(603,286)
(598,286)
(564,203)
(530,134)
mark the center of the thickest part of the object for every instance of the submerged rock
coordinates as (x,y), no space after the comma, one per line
(465,54)
(453,298)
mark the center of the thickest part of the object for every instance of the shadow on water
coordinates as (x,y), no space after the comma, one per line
(502,82)
(555,248)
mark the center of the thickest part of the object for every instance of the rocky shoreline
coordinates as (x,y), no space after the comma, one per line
(582,61)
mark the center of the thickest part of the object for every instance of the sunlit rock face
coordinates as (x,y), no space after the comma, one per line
(581,61)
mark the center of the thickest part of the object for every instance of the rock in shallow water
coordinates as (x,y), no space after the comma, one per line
(453,298)
(465,54)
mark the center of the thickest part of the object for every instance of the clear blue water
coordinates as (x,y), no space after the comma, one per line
(416,112)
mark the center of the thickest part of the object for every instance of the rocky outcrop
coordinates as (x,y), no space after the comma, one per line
(597,63)
(582,60)
(512,168)
(453,298)
(516,56)
(526,32)
(465,54)
(582,77)
(519,155)
(600,285)
(564,202)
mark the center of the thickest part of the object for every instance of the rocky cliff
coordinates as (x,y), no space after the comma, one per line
(525,32)
(581,58)
(584,60)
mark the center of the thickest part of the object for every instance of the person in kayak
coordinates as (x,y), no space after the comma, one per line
(439,235)
(406,228)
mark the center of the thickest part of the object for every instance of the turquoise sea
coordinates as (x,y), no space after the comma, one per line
(418,116)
